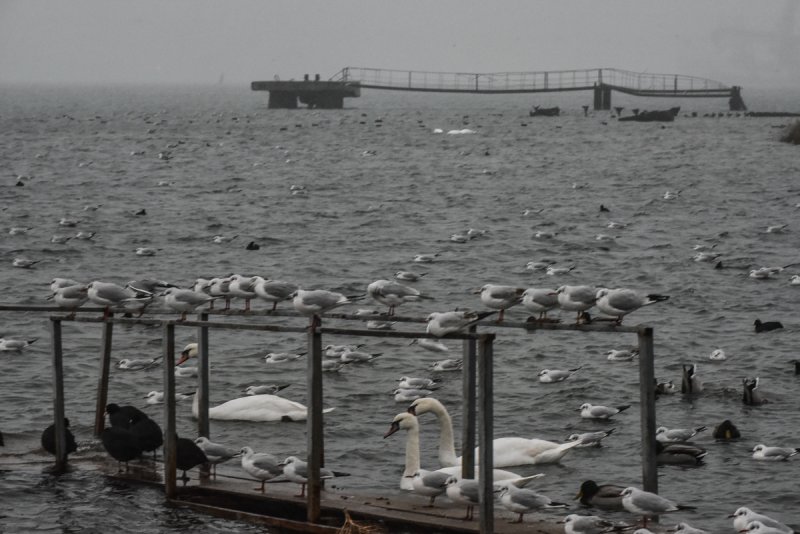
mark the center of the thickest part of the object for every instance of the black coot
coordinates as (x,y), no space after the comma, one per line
(49,438)
(120,416)
(147,432)
(189,455)
(121,444)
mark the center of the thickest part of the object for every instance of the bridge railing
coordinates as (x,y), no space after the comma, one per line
(561,80)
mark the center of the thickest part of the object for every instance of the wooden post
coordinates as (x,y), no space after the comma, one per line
(486,433)
(203,425)
(314,421)
(170,435)
(58,398)
(102,384)
(648,410)
(468,410)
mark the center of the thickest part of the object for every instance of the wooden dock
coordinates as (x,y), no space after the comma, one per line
(314,94)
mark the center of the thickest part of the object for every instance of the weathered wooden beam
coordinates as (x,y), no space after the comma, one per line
(171,432)
(486,431)
(105,370)
(58,398)
(468,408)
(314,427)
(647,397)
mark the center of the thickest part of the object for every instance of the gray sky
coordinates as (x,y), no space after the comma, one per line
(754,43)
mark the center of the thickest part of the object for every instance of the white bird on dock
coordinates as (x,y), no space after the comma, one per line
(15,345)
(215,452)
(576,298)
(58,283)
(522,501)
(185,300)
(318,301)
(620,302)
(114,297)
(242,287)
(464,491)
(441,324)
(274,291)
(219,288)
(648,504)
(260,465)
(70,297)
(296,470)
(539,300)
(499,297)
(393,294)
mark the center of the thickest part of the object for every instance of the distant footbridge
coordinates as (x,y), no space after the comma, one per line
(349,81)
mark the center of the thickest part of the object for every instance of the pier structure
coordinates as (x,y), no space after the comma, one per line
(602,82)
(222,498)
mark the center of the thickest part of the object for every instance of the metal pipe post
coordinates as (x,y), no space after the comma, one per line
(171,434)
(468,409)
(203,425)
(648,409)
(58,398)
(314,422)
(102,384)
(486,432)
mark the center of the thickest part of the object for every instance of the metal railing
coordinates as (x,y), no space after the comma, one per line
(477,385)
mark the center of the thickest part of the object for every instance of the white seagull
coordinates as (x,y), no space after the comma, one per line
(550,376)
(743,516)
(500,297)
(620,302)
(185,300)
(318,301)
(762,452)
(648,504)
(260,465)
(539,300)
(577,299)
(393,294)
(15,345)
(441,324)
(589,411)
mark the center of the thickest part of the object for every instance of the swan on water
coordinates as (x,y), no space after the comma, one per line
(410,480)
(256,408)
(507,451)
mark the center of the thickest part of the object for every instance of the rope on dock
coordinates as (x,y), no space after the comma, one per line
(351,527)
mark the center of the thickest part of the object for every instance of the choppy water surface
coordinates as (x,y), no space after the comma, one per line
(383,187)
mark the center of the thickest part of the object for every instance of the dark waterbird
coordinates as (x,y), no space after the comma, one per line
(49,438)
(725,431)
(679,453)
(767,326)
(121,444)
(147,432)
(188,455)
(2,443)
(796,368)
(605,497)
(121,416)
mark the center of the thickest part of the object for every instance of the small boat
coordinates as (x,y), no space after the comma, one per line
(545,112)
(664,115)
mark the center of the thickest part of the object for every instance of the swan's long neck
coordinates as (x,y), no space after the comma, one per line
(447,447)
(196,404)
(412,452)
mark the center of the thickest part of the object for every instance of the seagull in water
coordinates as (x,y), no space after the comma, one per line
(775,454)
(585,524)
(522,501)
(15,345)
(550,376)
(743,516)
(589,411)
(648,504)
(620,302)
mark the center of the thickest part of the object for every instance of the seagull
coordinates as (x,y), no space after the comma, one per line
(24,263)
(408,276)
(425,258)
(260,465)
(538,265)
(689,381)
(185,300)
(522,501)
(274,291)
(620,302)
(743,516)
(430,344)
(585,524)
(776,228)
(60,239)
(463,491)
(137,365)
(215,452)
(539,300)
(590,439)
(795,280)
(717,355)
(446,365)
(145,251)
(685,528)
(775,454)
(269,389)
(500,297)
(550,376)
(318,301)
(648,504)
(576,298)
(111,296)
(589,411)
(70,297)
(673,435)
(219,288)
(441,324)
(15,345)
(335,351)
(758,527)
(556,271)
(407,382)
(665,388)
(58,283)
(280,357)
(242,287)
(356,356)
(393,294)
(409,395)
(296,470)
(621,355)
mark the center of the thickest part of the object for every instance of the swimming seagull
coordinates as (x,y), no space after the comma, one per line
(620,302)
(500,297)
(522,501)
(717,355)
(393,294)
(685,528)
(137,365)
(776,228)
(24,263)
(590,439)
(585,524)
(430,344)
(408,276)
(425,258)
(15,345)
(577,299)
(757,527)
(775,454)
(550,376)
(743,516)
(407,382)
(446,365)
(648,504)
(269,389)
(621,355)
(665,434)
(589,411)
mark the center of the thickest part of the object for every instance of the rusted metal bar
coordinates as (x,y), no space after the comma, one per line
(203,426)
(648,409)
(486,432)
(58,398)
(171,433)
(105,370)
(314,428)
(468,409)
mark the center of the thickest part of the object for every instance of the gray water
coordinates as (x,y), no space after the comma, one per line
(382,187)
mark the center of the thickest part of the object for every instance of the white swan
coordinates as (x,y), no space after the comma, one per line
(507,451)
(256,408)
(408,422)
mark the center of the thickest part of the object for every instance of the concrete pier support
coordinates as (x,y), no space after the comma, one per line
(735,102)
(314,94)
(602,97)
(282,100)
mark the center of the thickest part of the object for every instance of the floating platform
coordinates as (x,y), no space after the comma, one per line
(314,94)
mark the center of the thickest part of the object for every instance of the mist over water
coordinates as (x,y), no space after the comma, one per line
(382,187)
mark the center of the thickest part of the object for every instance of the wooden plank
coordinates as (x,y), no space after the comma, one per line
(486,431)
(171,433)
(105,370)
(647,397)
(58,398)
(468,410)
(314,427)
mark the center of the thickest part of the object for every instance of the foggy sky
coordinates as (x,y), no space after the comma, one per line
(738,42)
